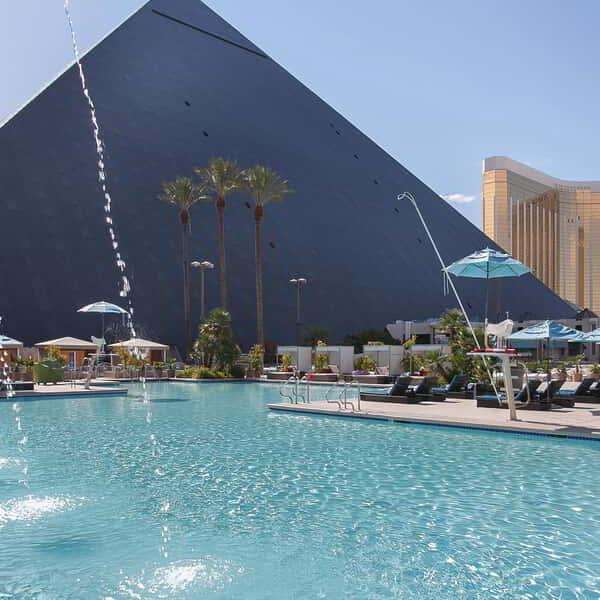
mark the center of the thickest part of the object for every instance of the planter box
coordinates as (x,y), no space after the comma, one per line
(279,375)
(330,377)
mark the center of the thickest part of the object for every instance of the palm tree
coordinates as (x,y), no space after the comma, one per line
(221,177)
(265,186)
(183,193)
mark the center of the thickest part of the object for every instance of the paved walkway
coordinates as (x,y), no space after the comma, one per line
(581,421)
(67,389)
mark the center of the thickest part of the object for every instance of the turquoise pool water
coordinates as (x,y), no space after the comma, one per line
(240,503)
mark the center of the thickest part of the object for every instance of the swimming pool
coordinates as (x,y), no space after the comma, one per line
(248,504)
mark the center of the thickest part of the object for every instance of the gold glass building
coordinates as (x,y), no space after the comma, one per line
(551,225)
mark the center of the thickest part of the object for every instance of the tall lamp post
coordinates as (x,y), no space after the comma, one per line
(298,282)
(203,266)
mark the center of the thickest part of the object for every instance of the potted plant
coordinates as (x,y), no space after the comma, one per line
(170,365)
(365,364)
(321,363)
(158,369)
(286,363)
(562,372)
(595,371)
(256,358)
(577,360)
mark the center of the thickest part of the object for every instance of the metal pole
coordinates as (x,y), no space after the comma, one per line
(298,313)
(450,281)
(202,293)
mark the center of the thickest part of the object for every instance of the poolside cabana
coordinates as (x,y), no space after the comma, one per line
(73,350)
(387,357)
(151,351)
(11,347)
(547,335)
(340,357)
(301,356)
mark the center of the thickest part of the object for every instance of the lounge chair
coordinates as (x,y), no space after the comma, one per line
(403,393)
(400,388)
(572,392)
(455,389)
(526,399)
(593,394)
(17,386)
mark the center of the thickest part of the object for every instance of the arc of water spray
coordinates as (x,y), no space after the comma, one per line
(125,291)
(411,198)
(125,287)
(16,407)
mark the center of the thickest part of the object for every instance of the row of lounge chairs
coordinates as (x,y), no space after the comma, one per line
(405,392)
(535,395)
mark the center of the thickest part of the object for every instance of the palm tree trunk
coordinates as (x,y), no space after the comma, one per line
(222,267)
(260,332)
(185,254)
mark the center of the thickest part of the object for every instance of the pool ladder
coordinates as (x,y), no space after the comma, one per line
(342,399)
(290,390)
(298,390)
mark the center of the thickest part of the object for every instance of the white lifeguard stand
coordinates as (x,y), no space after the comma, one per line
(340,356)
(301,356)
(504,356)
(386,356)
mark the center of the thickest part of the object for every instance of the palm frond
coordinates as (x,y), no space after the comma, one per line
(221,176)
(183,193)
(265,185)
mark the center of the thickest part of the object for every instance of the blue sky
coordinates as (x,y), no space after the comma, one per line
(438,84)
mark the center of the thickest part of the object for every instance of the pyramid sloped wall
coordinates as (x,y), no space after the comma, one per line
(174,86)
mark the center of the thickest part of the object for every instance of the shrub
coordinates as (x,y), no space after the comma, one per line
(256,356)
(368,337)
(215,346)
(286,361)
(314,335)
(365,363)
(53,353)
(201,373)
(321,362)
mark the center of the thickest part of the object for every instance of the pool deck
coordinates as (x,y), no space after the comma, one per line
(582,421)
(66,389)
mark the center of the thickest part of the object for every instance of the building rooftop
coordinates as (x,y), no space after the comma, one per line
(493,163)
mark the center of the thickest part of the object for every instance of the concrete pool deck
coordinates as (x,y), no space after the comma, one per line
(66,389)
(582,421)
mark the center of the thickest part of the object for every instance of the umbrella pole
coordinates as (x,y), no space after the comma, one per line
(487,298)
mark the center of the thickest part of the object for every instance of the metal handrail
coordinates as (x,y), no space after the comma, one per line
(283,386)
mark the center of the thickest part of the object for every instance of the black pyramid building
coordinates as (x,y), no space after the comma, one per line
(173,86)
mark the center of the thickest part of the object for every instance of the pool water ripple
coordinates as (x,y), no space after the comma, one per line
(259,506)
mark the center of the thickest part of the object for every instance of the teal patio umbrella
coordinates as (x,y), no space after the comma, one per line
(551,332)
(591,337)
(487,264)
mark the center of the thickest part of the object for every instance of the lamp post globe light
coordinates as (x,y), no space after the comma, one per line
(203,266)
(298,282)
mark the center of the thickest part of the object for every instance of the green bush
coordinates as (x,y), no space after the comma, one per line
(201,373)
(215,346)
(321,361)
(256,356)
(365,363)
(286,362)
(367,337)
